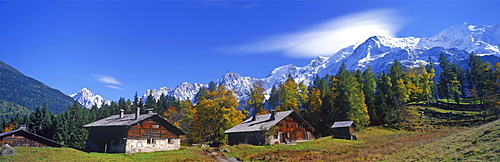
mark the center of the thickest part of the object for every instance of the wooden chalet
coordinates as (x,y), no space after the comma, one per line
(22,138)
(133,133)
(344,130)
(273,128)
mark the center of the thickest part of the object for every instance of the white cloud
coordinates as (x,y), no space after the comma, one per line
(109,81)
(327,38)
(114,87)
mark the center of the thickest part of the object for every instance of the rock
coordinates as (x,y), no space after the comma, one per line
(7,150)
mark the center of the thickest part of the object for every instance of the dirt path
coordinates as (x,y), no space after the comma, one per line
(218,156)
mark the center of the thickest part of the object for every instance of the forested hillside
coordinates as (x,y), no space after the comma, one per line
(21,94)
(367,98)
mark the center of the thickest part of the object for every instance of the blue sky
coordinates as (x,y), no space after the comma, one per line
(117,48)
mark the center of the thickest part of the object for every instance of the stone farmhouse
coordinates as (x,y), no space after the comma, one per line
(133,133)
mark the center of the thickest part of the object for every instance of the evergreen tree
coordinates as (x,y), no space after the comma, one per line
(399,89)
(273,102)
(479,76)
(212,86)
(383,111)
(350,100)
(369,85)
(69,127)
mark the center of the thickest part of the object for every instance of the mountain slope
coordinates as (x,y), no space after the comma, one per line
(88,99)
(21,90)
(378,52)
(477,144)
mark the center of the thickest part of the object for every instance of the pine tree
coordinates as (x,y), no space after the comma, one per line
(479,76)
(273,102)
(69,127)
(383,112)
(369,87)
(350,100)
(399,88)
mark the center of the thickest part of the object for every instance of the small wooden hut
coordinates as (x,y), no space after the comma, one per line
(22,138)
(344,130)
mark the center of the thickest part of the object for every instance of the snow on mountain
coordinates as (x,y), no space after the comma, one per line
(88,99)
(378,52)
(182,92)
(482,40)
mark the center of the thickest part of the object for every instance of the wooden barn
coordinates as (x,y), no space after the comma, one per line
(273,128)
(133,133)
(344,130)
(23,138)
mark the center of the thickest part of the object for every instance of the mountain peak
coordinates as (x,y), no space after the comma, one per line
(88,99)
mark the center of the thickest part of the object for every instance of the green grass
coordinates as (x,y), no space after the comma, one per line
(479,144)
(69,154)
(374,143)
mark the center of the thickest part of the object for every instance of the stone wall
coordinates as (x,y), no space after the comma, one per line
(152,145)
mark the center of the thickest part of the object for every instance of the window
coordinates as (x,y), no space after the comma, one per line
(156,126)
(170,141)
(151,141)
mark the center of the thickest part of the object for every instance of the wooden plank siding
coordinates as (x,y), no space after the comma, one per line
(291,129)
(149,129)
(21,141)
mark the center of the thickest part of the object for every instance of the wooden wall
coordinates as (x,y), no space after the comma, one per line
(16,140)
(149,129)
(291,129)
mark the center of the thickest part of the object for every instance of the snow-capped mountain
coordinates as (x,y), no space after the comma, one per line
(182,92)
(378,52)
(88,99)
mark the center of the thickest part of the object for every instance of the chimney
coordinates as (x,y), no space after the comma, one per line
(121,113)
(150,111)
(138,112)
(273,114)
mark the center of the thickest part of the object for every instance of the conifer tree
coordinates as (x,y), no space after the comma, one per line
(273,102)
(383,112)
(369,86)
(399,88)
(479,76)
(350,100)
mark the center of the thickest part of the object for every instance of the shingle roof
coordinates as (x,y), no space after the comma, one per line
(23,130)
(341,124)
(115,120)
(262,122)
(129,120)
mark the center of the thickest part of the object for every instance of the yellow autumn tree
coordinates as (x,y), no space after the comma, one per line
(289,95)
(217,112)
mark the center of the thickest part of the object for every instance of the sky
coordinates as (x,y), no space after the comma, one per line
(119,48)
